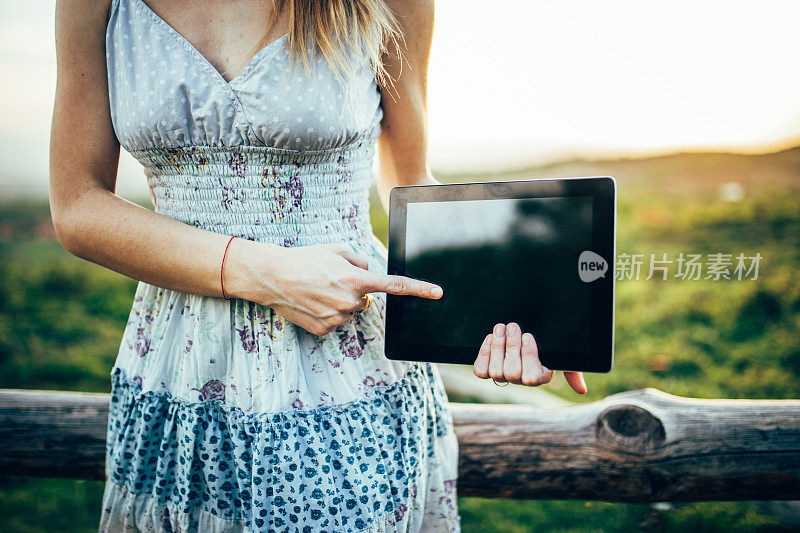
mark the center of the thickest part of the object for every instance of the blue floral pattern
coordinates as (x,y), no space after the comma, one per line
(343,467)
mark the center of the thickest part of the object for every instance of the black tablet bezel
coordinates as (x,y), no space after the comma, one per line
(601,188)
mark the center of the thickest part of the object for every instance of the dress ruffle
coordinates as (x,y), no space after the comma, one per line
(354,466)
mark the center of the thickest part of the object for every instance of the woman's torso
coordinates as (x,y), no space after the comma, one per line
(216,405)
(271,156)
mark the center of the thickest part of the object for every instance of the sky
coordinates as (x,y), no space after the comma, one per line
(514,83)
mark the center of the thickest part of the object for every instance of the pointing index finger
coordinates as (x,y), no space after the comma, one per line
(400,285)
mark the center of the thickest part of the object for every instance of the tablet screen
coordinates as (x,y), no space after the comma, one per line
(517,257)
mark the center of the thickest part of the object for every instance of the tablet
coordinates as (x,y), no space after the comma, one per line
(536,252)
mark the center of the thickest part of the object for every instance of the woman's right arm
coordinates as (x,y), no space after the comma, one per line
(91,221)
(316,287)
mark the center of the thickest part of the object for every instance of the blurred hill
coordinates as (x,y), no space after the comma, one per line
(696,174)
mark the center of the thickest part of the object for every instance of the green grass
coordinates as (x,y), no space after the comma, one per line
(62,318)
(567,516)
(49,505)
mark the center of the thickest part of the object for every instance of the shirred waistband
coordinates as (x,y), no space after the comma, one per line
(265,194)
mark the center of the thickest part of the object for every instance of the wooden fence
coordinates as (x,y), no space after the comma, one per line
(637,446)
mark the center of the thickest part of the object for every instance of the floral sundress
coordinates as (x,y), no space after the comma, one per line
(224,416)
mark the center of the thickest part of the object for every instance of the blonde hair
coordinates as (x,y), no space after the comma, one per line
(329,27)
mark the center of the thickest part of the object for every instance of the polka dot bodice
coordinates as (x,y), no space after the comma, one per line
(164,94)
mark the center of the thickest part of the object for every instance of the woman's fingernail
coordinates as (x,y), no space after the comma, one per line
(437,291)
(526,338)
(499,329)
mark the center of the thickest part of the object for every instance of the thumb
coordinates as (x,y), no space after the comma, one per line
(576,381)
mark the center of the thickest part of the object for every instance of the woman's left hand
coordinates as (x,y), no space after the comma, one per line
(509,355)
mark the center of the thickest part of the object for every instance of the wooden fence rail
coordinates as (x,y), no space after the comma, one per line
(638,446)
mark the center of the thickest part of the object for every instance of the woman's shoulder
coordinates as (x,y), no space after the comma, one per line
(409,5)
(412,13)
(86,13)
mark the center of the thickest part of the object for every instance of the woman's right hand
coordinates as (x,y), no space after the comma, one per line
(316,287)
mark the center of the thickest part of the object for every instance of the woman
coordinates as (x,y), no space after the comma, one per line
(251,391)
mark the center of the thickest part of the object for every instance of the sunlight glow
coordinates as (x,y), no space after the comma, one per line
(519,83)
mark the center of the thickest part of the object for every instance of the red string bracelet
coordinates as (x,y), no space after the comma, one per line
(223,266)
